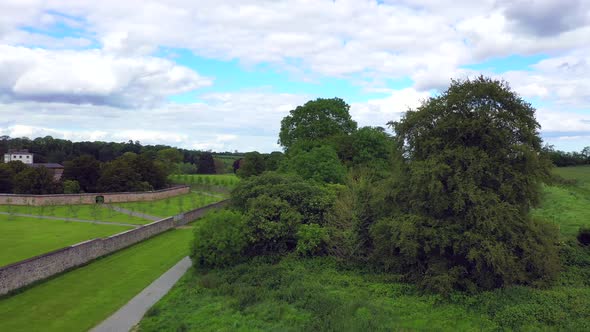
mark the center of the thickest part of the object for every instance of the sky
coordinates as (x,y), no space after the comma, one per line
(220,75)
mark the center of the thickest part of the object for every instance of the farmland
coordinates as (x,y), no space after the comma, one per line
(219,180)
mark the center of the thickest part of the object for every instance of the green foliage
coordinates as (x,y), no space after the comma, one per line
(252,164)
(85,170)
(473,172)
(36,181)
(6,178)
(220,239)
(272,224)
(311,240)
(132,172)
(319,164)
(311,200)
(206,164)
(316,120)
(356,208)
(273,160)
(368,147)
(71,187)
(584,236)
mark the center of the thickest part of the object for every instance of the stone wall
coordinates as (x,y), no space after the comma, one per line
(90,198)
(26,272)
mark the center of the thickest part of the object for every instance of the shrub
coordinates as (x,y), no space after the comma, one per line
(71,187)
(584,236)
(312,201)
(220,239)
(311,240)
(272,223)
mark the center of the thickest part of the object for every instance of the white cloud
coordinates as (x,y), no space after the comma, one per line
(92,77)
(378,112)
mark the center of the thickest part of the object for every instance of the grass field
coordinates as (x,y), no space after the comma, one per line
(86,212)
(80,299)
(220,180)
(22,237)
(172,206)
(580,173)
(319,294)
(568,206)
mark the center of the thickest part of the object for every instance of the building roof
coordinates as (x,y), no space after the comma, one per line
(47,165)
(25,151)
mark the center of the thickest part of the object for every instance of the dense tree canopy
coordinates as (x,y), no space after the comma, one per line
(206,164)
(252,164)
(461,209)
(84,169)
(36,181)
(315,121)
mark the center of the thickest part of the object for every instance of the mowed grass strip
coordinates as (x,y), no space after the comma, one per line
(23,237)
(220,180)
(82,298)
(85,212)
(171,206)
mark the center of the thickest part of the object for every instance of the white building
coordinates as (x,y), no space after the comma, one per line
(21,155)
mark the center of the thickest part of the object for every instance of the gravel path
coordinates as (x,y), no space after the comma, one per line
(68,219)
(131,313)
(132,213)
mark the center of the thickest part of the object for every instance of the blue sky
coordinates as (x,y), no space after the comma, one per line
(221,75)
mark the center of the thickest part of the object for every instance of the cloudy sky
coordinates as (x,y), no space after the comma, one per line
(221,74)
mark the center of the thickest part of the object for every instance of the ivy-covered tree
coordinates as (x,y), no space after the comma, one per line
(460,211)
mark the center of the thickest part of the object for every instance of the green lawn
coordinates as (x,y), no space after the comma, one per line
(80,299)
(22,237)
(86,212)
(579,173)
(172,206)
(566,206)
(220,180)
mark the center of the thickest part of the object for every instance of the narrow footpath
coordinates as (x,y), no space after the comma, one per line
(68,219)
(132,312)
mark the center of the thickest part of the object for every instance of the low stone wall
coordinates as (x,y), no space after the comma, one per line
(91,198)
(26,272)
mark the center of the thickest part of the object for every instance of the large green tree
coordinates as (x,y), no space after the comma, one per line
(84,169)
(317,120)
(35,180)
(460,211)
(6,178)
(252,164)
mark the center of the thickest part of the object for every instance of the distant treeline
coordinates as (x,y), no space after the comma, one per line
(54,150)
(562,158)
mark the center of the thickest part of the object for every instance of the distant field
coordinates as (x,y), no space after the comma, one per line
(172,206)
(568,206)
(86,212)
(221,180)
(578,173)
(80,299)
(22,237)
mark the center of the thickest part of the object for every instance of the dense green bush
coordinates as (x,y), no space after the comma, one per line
(311,240)
(312,201)
(320,164)
(584,236)
(272,224)
(220,239)
(71,187)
